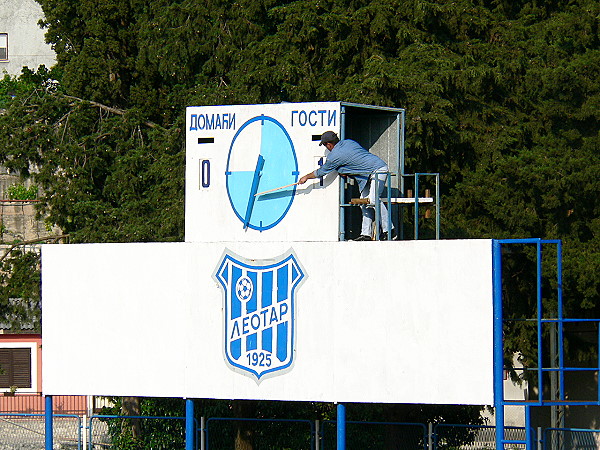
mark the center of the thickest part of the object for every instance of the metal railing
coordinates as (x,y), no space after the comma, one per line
(543,295)
(222,433)
(570,438)
(418,188)
(400,198)
(376,435)
(162,432)
(473,437)
(26,431)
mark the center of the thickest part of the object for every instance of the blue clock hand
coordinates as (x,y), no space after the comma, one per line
(257,172)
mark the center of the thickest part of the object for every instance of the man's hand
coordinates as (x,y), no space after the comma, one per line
(305,178)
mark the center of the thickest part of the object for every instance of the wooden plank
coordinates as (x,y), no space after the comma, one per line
(396,200)
(410,200)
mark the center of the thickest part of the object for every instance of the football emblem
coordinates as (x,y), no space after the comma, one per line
(259,313)
(244,289)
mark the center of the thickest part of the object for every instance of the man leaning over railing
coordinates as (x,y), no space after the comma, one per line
(348,157)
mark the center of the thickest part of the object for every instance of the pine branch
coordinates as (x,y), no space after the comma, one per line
(110,109)
(32,241)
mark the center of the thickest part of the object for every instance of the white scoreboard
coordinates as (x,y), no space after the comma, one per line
(236,152)
(263,301)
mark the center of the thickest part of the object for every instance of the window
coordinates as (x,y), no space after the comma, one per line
(3,46)
(16,367)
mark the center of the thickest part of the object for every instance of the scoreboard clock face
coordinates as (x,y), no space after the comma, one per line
(236,158)
(265,163)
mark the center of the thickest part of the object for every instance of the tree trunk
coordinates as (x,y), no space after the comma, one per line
(394,436)
(244,409)
(131,407)
(243,438)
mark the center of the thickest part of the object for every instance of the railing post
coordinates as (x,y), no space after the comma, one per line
(377,221)
(84,431)
(189,424)
(528,429)
(389,205)
(342,217)
(430,436)
(317,436)
(437,206)
(342,214)
(202,433)
(48,423)
(416,206)
(498,344)
(341,427)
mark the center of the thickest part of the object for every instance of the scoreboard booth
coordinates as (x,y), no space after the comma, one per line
(223,146)
(275,303)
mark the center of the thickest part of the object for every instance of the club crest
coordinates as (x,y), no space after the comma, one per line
(259,313)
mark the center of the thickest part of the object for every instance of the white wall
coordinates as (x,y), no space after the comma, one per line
(404,322)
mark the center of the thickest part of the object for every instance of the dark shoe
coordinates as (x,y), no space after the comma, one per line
(384,236)
(363,237)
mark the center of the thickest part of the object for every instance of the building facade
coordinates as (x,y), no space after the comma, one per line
(21,38)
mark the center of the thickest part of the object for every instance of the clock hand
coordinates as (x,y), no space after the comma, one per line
(257,172)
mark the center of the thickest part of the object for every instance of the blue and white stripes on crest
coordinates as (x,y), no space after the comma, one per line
(259,313)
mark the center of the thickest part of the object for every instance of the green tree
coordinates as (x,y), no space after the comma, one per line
(536,165)
(502,99)
(105,174)
(20,290)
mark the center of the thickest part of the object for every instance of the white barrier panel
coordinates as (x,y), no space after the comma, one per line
(401,322)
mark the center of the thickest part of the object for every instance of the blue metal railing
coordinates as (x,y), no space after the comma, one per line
(388,199)
(210,440)
(26,432)
(373,433)
(190,443)
(558,367)
(417,177)
(473,436)
(19,429)
(570,438)
(375,202)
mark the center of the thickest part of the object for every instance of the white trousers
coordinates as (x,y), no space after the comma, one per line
(375,185)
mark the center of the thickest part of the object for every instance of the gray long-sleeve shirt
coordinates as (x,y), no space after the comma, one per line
(349,157)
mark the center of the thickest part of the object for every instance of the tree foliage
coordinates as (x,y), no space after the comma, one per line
(106,174)
(502,99)
(20,290)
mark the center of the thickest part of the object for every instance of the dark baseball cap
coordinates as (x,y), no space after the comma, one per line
(328,136)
